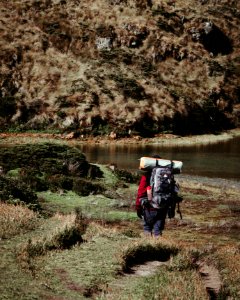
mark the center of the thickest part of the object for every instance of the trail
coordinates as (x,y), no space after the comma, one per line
(209,274)
(135,273)
(147,269)
(211,279)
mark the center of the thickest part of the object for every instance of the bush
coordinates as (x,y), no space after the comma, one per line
(59,181)
(15,191)
(46,158)
(126,176)
(94,172)
(33,178)
(84,187)
(7,106)
(130,87)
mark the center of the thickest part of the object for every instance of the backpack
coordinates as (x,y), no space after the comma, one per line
(162,186)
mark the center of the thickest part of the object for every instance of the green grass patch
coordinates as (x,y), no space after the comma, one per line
(50,260)
(93,206)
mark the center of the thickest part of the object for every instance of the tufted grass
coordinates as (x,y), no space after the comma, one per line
(16,219)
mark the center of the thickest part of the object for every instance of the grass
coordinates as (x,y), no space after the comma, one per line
(89,247)
(93,206)
(67,54)
(157,287)
(16,220)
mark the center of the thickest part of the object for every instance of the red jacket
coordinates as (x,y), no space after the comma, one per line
(142,189)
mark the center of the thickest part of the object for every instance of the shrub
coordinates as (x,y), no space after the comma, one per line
(59,181)
(33,178)
(7,106)
(84,187)
(14,191)
(46,158)
(94,172)
(126,176)
(130,87)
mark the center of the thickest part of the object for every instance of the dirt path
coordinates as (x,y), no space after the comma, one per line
(147,269)
(209,274)
(211,279)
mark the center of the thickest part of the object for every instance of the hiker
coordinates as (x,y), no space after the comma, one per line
(153,215)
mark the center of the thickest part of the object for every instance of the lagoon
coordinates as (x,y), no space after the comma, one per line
(218,160)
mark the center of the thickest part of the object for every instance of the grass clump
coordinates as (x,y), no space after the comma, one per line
(173,285)
(16,219)
(68,234)
(228,264)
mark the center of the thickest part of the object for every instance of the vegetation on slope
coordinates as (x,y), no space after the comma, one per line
(81,247)
(125,66)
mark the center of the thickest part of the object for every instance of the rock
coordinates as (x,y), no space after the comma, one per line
(113,135)
(69,136)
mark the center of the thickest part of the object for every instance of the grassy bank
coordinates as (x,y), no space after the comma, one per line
(91,246)
(161,139)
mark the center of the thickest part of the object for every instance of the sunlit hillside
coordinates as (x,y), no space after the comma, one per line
(125,66)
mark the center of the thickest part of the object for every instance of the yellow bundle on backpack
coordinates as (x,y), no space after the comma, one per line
(148,163)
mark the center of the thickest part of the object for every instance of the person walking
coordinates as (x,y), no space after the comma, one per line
(152,214)
(153,218)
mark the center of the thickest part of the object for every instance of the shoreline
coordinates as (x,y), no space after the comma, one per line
(217,182)
(168,139)
(160,139)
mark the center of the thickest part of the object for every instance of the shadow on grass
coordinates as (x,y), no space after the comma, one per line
(144,253)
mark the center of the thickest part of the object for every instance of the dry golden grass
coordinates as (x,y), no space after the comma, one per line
(229,264)
(47,71)
(15,219)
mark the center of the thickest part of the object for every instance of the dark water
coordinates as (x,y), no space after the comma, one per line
(221,160)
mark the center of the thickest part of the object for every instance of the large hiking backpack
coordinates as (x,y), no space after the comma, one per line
(162,185)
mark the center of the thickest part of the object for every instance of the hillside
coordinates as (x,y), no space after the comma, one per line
(124,66)
(69,230)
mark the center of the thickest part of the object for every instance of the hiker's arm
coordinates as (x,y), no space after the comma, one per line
(142,190)
(178,198)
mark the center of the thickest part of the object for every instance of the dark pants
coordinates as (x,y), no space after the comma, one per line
(154,221)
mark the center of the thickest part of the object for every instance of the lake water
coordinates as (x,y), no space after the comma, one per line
(220,160)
